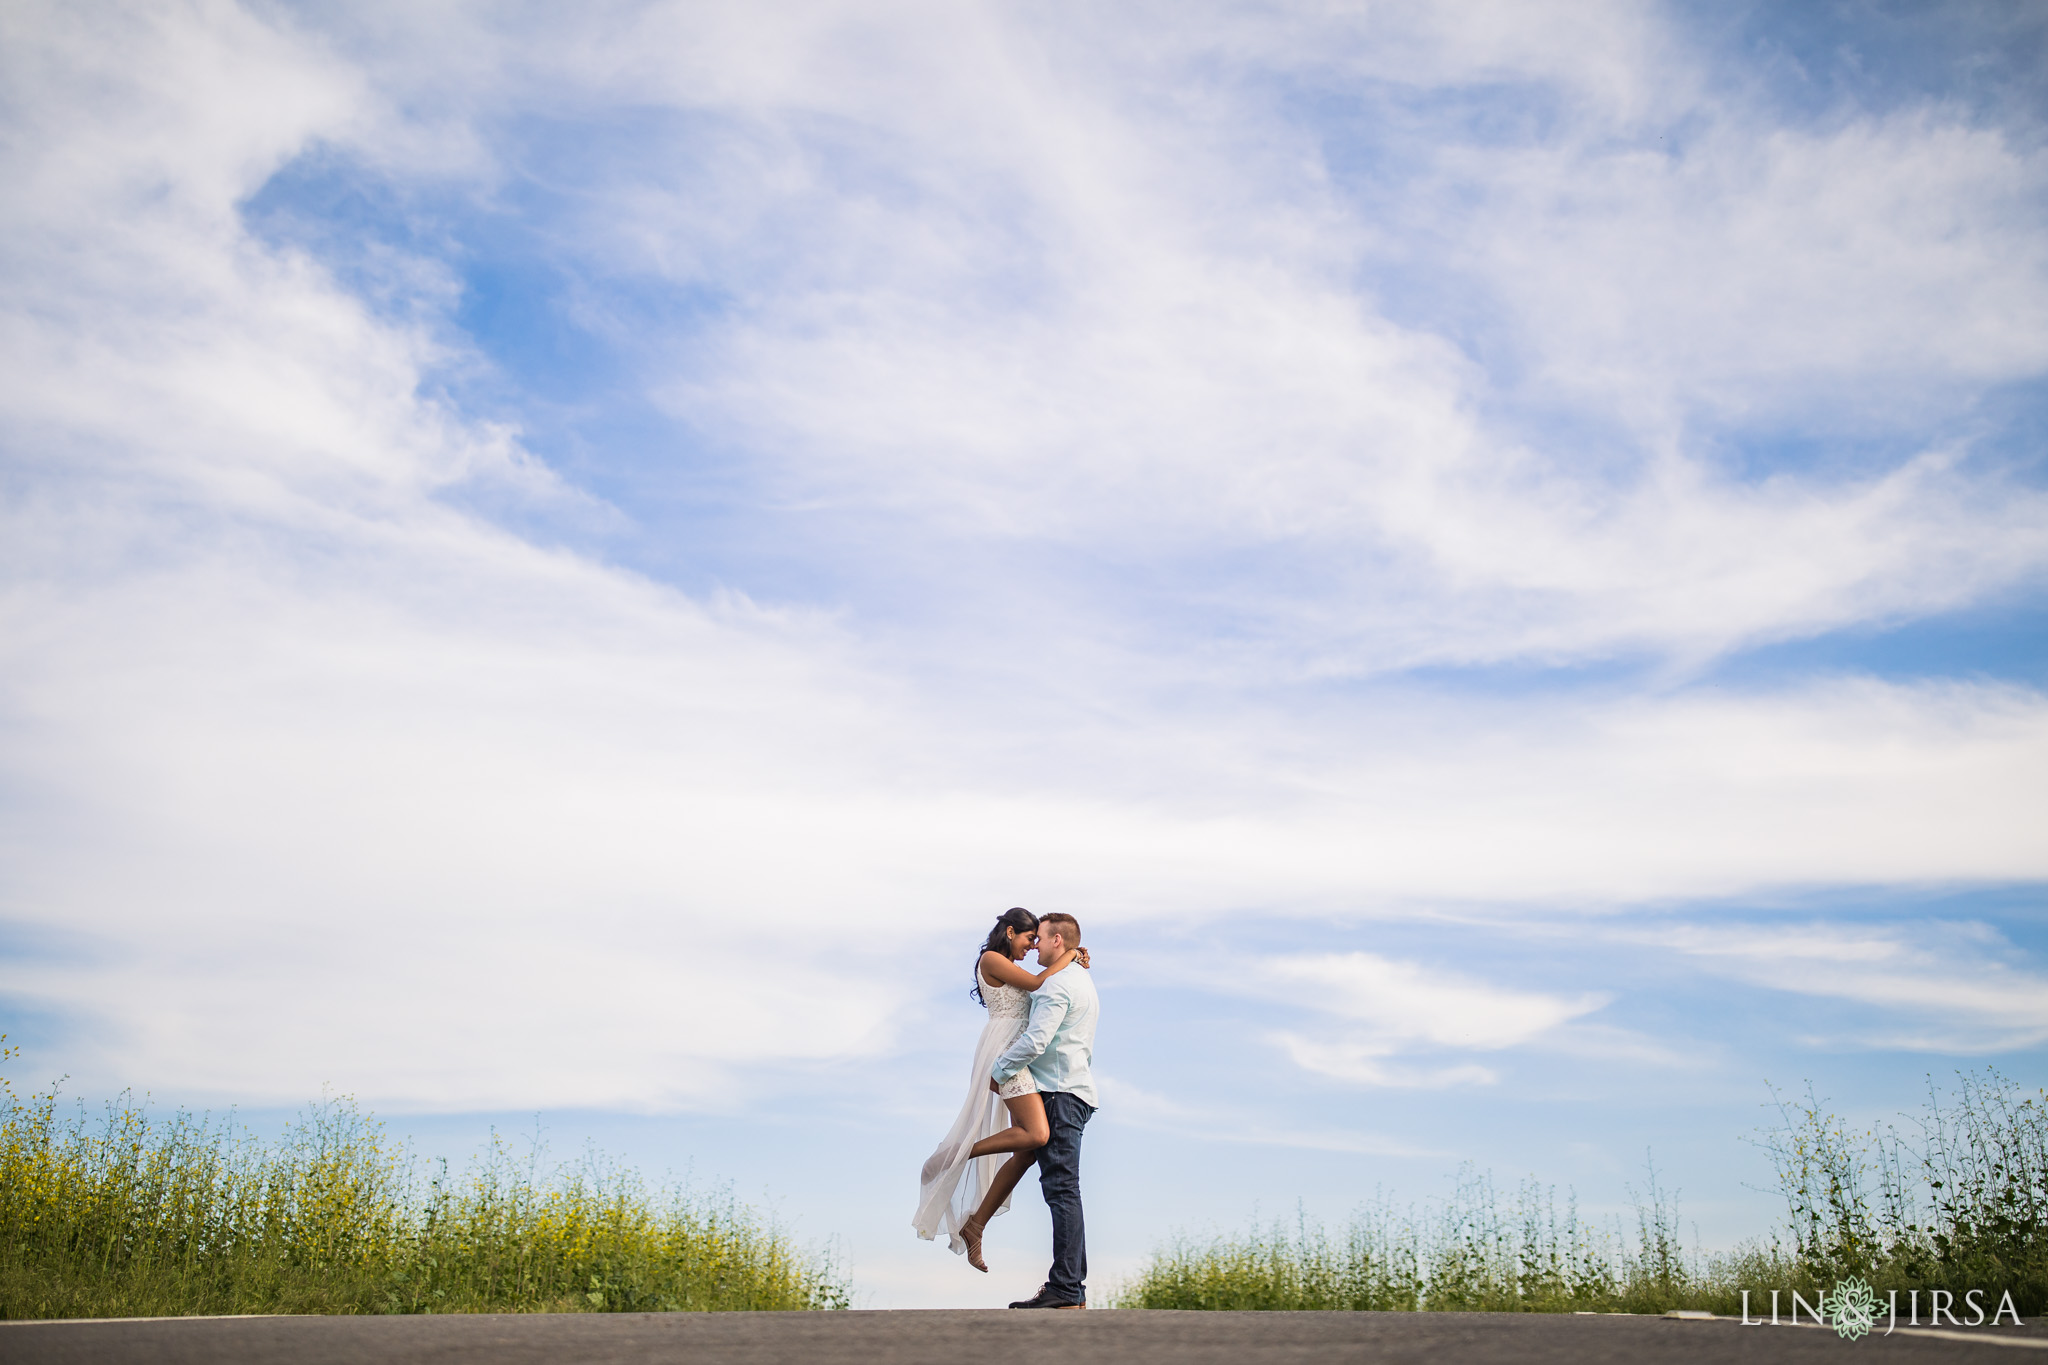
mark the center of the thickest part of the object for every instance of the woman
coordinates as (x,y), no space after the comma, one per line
(957,1195)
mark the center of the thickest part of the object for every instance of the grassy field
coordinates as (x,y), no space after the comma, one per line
(123,1215)
(1959,1200)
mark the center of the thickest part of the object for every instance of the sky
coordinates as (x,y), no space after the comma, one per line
(558,566)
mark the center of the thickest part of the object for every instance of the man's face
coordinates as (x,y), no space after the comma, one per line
(1050,945)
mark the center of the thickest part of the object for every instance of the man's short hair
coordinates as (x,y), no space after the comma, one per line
(1069,927)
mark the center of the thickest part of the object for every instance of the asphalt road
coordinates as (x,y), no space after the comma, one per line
(953,1337)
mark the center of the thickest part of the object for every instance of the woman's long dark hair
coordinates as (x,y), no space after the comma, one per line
(1016,917)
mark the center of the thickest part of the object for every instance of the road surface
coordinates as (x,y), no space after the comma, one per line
(952,1337)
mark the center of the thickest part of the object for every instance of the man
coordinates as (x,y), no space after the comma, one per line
(1057,1044)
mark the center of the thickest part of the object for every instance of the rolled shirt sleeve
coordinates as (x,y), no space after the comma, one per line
(1048,1008)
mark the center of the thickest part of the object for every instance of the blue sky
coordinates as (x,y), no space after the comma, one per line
(1496,556)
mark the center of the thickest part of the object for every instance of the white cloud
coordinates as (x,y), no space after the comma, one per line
(1138,1107)
(1938,986)
(1021,302)
(1393,1008)
(1407,1002)
(335,783)
(1367,1062)
(1756,269)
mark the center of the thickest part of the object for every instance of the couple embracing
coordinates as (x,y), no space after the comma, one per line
(1029,1095)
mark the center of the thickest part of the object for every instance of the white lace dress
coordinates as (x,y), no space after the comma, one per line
(951,1187)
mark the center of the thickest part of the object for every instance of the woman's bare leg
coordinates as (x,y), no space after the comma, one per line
(1007,1176)
(1027,1133)
(1028,1129)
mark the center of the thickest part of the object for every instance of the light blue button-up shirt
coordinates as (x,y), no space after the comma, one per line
(1058,1041)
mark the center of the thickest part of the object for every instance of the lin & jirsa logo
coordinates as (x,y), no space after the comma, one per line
(1851,1308)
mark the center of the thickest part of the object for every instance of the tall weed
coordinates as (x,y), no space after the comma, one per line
(1477,1249)
(139,1216)
(1956,1200)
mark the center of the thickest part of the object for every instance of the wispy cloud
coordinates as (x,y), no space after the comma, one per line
(1392,1008)
(1194,1121)
(1371,1061)
(1030,309)
(1409,1002)
(1936,986)
(1111,498)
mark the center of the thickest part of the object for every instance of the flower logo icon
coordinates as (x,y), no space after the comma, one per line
(1853,1306)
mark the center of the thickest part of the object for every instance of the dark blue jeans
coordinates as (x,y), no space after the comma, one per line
(1059,1180)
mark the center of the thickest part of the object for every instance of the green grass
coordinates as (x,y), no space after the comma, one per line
(130,1216)
(1961,1201)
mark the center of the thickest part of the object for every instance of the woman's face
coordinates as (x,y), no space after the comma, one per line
(1022,941)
